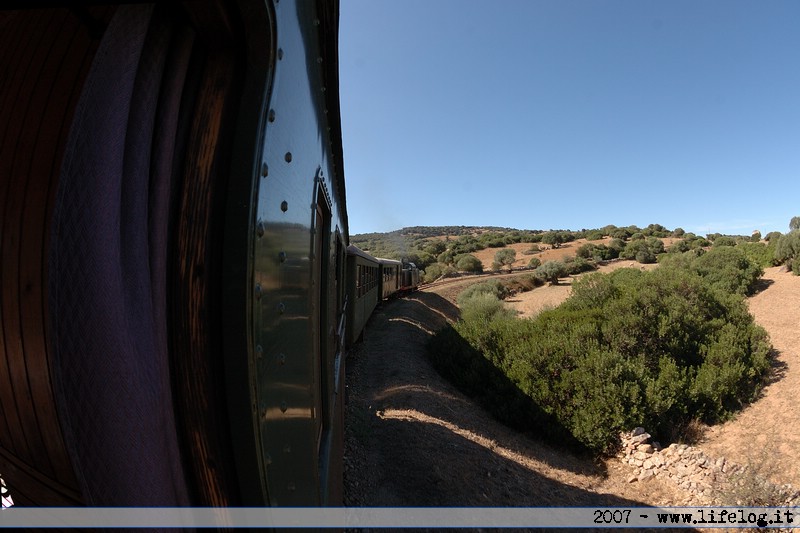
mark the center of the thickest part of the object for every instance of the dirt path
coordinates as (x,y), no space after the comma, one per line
(766,433)
(414,440)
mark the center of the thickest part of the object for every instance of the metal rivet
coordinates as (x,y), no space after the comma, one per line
(282,257)
(288,157)
(281,308)
(280,53)
(260,229)
(284,407)
(282,358)
(284,206)
(271,115)
(264,170)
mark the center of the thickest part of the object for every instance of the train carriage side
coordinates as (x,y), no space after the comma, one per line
(173,234)
(363,290)
(390,277)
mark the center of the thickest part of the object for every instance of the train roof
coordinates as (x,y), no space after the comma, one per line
(355,250)
(329,37)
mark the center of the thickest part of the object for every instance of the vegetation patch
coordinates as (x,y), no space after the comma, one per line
(632,348)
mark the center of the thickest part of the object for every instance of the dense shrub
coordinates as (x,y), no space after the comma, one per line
(598,252)
(724,241)
(436,271)
(787,250)
(727,268)
(468,263)
(534,262)
(577,265)
(495,288)
(759,253)
(642,250)
(628,348)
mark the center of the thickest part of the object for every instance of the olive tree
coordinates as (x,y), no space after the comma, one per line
(553,238)
(505,257)
(551,271)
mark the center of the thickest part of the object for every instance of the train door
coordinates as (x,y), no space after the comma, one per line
(323,316)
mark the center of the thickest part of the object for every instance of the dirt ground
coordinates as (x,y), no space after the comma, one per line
(412,439)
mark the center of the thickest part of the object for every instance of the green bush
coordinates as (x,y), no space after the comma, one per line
(554,238)
(577,265)
(724,240)
(534,262)
(729,269)
(468,263)
(551,271)
(436,271)
(787,249)
(495,288)
(628,348)
(505,257)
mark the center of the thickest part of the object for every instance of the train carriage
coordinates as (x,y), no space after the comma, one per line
(173,237)
(390,277)
(363,287)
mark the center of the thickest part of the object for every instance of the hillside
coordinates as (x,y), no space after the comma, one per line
(447,250)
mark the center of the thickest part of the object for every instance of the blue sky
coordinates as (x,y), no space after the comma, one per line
(566,114)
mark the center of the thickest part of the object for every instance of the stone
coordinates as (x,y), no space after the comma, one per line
(637,431)
(646,448)
(644,476)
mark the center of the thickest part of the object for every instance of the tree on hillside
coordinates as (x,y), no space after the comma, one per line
(794,223)
(553,238)
(505,257)
(551,271)
(468,263)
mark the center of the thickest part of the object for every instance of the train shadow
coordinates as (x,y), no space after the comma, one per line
(421,442)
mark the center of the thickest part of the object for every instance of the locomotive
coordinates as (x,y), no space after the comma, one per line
(177,289)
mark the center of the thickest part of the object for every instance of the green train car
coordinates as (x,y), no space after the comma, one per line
(173,233)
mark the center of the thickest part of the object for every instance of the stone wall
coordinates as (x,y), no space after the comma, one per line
(706,480)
